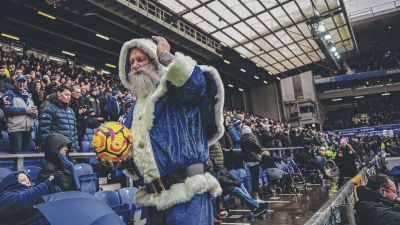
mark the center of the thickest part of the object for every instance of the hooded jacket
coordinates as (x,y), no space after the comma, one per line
(57,117)
(249,145)
(56,162)
(17,200)
(373,209)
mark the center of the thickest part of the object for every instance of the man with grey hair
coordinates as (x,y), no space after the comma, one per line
(177,115)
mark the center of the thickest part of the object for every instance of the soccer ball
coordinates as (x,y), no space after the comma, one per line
(112,141)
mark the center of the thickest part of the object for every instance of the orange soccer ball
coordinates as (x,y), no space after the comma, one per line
(112,141)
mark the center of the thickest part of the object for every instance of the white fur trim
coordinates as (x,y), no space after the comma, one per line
(219,107)
(180,69)
(181,192)
(148,47)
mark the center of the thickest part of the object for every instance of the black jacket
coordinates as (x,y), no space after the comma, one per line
(54,163)
(372,209)
(250,147)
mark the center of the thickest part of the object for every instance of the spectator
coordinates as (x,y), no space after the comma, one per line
(19,115)
(79,107)
(114,105)
(251,151)
(378,203)
(234,131)
(56,149)
(18,196)
(57,117)
(345,158)
(38,94)
(93,103)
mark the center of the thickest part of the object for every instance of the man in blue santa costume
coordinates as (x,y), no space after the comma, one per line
(177,115)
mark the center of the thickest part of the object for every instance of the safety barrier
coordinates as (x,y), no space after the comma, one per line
(270,149)
(329,214)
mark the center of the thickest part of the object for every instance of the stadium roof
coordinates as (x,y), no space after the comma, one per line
(276,35)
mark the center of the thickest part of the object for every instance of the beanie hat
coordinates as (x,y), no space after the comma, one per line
(237,123)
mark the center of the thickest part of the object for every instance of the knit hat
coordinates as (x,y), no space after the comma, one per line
(237,123)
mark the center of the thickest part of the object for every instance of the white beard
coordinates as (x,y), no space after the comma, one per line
(144,82)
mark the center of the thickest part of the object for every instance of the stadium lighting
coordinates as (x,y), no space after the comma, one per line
(230,85)
(278,78)
(10,36)
(361,96)
(243,56)
(102,37)
(258,65)
(243,70)
(89,68)
(321,28)
(336,53)
(240,89)
(256,77)
(389,27)
(327,36)
(111,65)
(338,56)
(46,15)
(55,59)
(265,82)
(333,49)
(337,99)
(105,72)
(226,61)
(386,94)
(68,53)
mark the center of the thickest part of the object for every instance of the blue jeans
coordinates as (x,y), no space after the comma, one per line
(242,193)
(19,141)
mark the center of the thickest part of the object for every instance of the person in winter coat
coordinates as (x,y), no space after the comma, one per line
(378,203)
(345,158)
(234,131)
(251,151)
(57,117)
(56,148)
(18,196)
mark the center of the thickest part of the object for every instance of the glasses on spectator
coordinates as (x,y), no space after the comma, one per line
(393,191)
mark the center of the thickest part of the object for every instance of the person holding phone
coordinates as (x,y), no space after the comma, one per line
(19,113)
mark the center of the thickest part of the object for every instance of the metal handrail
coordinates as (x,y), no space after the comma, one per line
(270,149)
(19,158)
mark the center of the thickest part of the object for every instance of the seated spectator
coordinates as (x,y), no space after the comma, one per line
(234,187)
(269,163)
(18,196)
(56,148)
(378,203)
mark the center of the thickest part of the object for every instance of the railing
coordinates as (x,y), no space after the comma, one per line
(375,9)
(19,158)
(271,149)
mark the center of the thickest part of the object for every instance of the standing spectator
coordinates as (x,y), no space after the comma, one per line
(57,117)
(345,158)
(38,94)
(19,115)
(234,131)
(93,102)
(251,156)
(79,106)
(113,106)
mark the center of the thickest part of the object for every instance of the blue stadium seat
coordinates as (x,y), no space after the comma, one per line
(87,181)
(4,172)
(6,136)
(127,196)
(32,162)
(245,177)
(4,145)
(33,173)
(87,146)
(111,198)
(32,146)
(6,163)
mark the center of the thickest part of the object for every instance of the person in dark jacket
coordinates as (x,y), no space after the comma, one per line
(18,196)
(234,131)
(56,148)
(345,158)
(251,151)
(232,186)
(57,117)
(378,203)
(113,106)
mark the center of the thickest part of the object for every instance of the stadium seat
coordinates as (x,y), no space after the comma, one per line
(111,198)
(4,172)
(87,146)
(4,145)
(127,196)
(6,163)
(245,177)
(33,173)
(86,180)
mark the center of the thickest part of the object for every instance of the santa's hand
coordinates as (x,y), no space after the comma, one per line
(109,163)
(162,44)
